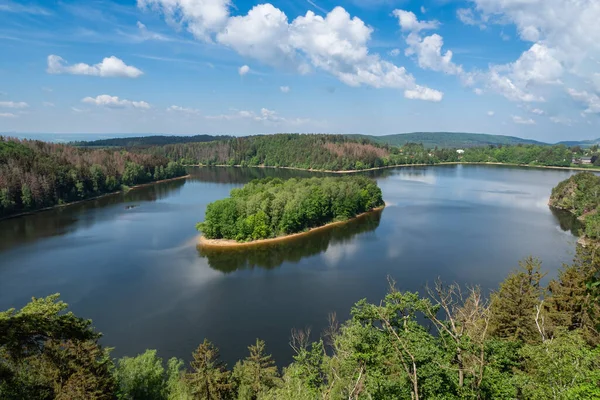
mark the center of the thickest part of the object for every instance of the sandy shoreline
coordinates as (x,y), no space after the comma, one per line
(224,243)
(91,198)
(353,171)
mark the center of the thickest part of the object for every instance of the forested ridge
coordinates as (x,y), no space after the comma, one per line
(342,153)
(269,207)
(35,174)
(525,341)
(580,195)
(145,141)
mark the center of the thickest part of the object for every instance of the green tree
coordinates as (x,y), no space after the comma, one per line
(141,377)
(513,306)
(256,374)
(209,378)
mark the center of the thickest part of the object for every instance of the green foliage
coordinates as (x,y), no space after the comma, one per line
(255,375)
(48,353)
(209,378)
(36,175)
(561,368)
(580,194)
(271,207)
(141,377)
(513,307)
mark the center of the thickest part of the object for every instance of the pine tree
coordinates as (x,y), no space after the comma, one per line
(513,307)
(209,379)
(256,374)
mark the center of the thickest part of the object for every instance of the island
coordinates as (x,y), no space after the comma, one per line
(580,196)
(272,209)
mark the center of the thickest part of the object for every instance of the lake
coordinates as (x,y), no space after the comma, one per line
(130,262)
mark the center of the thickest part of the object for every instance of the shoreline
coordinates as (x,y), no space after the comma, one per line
(72,203)
(354,171)
(229,243)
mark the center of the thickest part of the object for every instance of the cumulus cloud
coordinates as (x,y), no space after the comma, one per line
(394,52)
(590,100)
(423,93)
(243,70)
(183,110)
(105,100)
(284,89)
(522,121)
(335,43)
(408,21)
(537,111)
(108,67)
(428,49)
(13,104)
(563,49)
(559,120)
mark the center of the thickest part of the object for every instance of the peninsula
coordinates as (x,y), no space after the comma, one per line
(273,209)
(580,195)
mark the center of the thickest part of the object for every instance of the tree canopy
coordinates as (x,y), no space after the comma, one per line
(271,207)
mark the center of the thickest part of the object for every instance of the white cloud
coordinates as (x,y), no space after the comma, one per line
(201,17)
(537,111)
(264,34)
(79,110)
(468,17)
(48,104)
(23,9)
(264,116)
(565,37)
(184,110)
(478,91)
(424,93)
(284,89)
(335,43)
(13,104)
(490,113)
(105,100)
(408,21)
(394,52)
(243,70)
(429,54)
(8,115)
(145,34)
(522,121)
(109,67)
(590,100)
(559,120)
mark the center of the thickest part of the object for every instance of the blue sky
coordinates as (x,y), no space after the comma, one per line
(358,66)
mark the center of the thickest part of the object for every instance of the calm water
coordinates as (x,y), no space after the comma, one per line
(130,263)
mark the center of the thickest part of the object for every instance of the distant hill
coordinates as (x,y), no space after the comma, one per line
(447,139)
(145,141)
(581,143)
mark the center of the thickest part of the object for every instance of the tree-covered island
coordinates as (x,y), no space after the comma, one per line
(271,208)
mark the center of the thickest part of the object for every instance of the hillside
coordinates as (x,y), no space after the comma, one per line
(447,139)
(145,141)
(581,143)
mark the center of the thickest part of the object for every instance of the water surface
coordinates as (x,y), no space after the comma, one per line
(130,262)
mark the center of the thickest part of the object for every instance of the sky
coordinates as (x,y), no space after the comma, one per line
(528,68)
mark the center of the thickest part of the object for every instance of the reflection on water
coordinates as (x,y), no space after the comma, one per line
(272,255)
(567,221)
(63,220)
(245,175)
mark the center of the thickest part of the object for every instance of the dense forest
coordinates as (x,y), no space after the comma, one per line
(448,140)
(269,207)
(580,195)
(146,141)
(341,153)
(525,341)
(36,174)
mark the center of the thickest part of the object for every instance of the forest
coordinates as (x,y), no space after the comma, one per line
(525,341)
(35,174)
(146,141)
(270,207)
(343,153)
(580,195)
